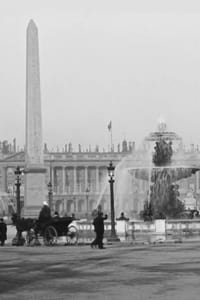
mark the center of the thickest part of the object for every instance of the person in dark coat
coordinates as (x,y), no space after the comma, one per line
(74,217)
(45,213)
(56,216)
(3,232)
(122,217)
(98,223)
(44,217)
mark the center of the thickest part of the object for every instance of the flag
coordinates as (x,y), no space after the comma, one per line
(110,125)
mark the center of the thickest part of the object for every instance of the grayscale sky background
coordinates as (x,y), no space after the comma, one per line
(100,61)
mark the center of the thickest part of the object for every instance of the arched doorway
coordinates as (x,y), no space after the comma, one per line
(70,206)
(80,205)
(92,205)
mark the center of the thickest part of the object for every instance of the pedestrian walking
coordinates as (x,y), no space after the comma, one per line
(98,223)
(3,232)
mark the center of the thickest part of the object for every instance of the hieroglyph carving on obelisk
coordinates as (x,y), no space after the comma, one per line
(34,162)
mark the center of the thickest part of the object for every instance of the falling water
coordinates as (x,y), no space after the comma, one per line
(103,191)
(138,179)
(3,204)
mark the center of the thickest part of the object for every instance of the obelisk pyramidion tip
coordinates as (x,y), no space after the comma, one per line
(32,24)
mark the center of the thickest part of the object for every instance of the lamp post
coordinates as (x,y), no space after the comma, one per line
(18,173)
(50,194)
(111,169)
(18,240)
(87,198)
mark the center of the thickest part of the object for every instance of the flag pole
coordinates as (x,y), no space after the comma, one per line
(111,140)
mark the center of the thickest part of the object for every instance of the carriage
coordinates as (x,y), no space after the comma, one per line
(49,231)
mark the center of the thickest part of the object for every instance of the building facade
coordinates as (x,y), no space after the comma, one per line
(80,181)
(77,178)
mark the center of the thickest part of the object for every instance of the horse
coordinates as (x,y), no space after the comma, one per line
(23,225)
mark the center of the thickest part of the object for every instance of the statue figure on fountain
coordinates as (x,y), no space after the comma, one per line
(164,195)
(163,153)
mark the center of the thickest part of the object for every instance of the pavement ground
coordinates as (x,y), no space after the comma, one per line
(121,271)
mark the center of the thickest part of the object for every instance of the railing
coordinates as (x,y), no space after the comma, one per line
(137,230)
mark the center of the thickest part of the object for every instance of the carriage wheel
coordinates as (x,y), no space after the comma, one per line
(30,238)
(50,236)
(72,236)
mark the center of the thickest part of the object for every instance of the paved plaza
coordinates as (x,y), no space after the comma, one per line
(121,271)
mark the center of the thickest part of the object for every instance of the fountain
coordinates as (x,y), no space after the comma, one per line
(149,179)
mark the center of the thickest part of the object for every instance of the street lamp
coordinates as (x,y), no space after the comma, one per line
(50,194)
(18,240)
(87,198)
(18,173)
(111,169)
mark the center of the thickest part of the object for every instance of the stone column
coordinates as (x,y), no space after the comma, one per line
(97,179)
(34,164)
(63,180)
(55,180)
(86,178)
(75,190)
(197,182)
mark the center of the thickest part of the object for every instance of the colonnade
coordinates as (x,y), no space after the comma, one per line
(77,179)
(65,179)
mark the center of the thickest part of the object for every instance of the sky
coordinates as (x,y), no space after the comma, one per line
(125,61)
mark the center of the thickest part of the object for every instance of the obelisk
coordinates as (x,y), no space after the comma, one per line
(34,163)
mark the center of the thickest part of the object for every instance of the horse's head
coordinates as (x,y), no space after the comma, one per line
(14,218)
